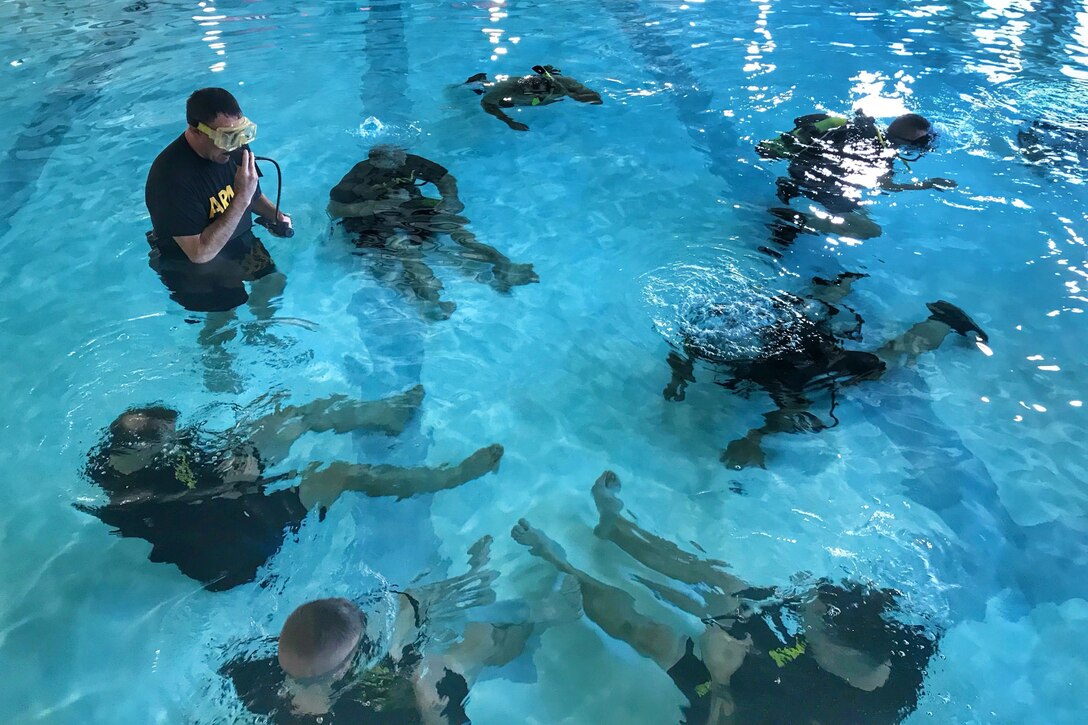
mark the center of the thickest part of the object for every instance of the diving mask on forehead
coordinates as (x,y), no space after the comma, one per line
(232,137)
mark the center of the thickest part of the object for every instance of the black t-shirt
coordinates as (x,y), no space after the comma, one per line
(366,182)
(839,155)
(780,682)
(215,533)
(185,193)
(383,695)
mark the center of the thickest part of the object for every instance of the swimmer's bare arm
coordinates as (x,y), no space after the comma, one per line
(855,667)
(499,97)
(447,187)
(888,184)
(723,655)
(339,210)
(578,92)
(264,207)
(204,247)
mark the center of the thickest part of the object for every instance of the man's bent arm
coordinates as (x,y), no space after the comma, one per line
(204,247)
(264,207)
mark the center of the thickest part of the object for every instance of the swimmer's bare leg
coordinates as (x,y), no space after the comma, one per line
(683,372)
(219,374)
(424,285)
(612,609)
(321,486)
(274,434)
(264,292)
(507,274)
(930,333)
(652,551)
(832,291)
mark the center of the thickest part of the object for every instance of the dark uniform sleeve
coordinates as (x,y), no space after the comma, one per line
(425,169)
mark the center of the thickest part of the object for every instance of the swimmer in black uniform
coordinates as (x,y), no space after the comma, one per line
(324,670)
(836,161)
(1060,147)
(203,500)
(547,86)
(380,201)
(802,353)
(834,654)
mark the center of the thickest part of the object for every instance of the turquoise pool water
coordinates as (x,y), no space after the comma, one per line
(960,481)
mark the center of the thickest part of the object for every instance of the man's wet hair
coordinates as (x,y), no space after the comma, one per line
(910,127)
(137,426)
(320,636)
(207,103)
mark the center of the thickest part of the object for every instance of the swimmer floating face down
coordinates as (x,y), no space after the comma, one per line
(548,86)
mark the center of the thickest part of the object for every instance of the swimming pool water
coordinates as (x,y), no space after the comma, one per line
(960,481)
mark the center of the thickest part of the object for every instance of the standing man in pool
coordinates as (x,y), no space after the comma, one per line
(201,192)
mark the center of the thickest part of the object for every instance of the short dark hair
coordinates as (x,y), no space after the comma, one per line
(910,127)
(207,103)
(319,636)
(141,425)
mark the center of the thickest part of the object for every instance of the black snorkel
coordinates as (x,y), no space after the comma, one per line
(274,225)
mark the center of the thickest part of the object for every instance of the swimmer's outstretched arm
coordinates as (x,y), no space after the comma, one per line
(683,372)
(498,98)
(578,92)
(341,210)
(322,486)
(888,184)
(482,645)
(792,416)
(860,669)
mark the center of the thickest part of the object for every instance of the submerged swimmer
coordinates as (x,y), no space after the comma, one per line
(1061,147)
(833,654)
(836,162)
(380,201)
(548,85)
(799,353)
(203,501)
(326,668)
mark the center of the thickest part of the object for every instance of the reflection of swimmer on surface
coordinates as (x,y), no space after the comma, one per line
(548,85)
(833,654)
(202,502)
(1043,142)
(800,353)
(380,201)
(835,161)
(326,667)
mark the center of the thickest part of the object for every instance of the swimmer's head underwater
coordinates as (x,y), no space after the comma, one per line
(320,644)
(138,435)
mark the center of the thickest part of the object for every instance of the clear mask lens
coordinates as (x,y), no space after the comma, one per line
(233,138)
